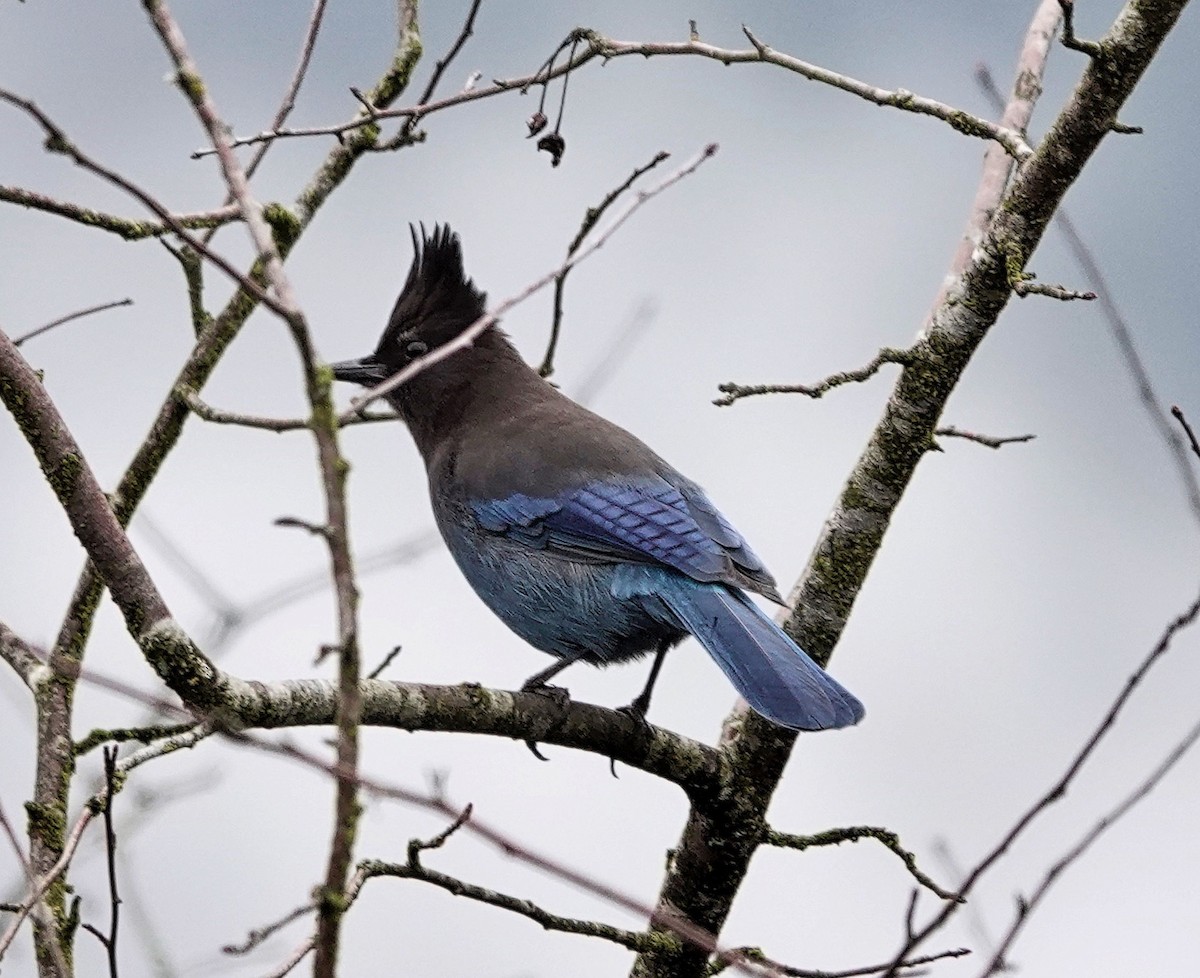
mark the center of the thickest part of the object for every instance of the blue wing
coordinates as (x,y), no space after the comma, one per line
(645,520)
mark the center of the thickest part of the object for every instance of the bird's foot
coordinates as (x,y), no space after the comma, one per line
(637,711)
(560,696)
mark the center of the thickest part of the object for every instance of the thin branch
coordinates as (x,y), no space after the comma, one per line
(991,441)
(590,219)
(467,336)
(123,735)
(1059,789)
(289,98)
(1091,48)
(387,661)
(218,416)
(70,318)
(1122,334)
(833,837)
(39,909)
(439,69)
(1023,287)
(39,887)
(1177,413)
(333,476)
(1027,905)
(261,934)
(89,811)
(57,142)
(756,954)
(605,49)
(109,941)
(630,939)
(735,392)
(126,228)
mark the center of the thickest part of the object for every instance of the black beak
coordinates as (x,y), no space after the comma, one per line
(367,371)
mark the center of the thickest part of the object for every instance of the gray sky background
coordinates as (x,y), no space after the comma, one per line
(1015,592)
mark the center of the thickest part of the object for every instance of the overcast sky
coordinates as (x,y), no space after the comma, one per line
(1015,591)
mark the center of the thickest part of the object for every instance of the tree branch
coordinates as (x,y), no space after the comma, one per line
(1006,225)
(834,837)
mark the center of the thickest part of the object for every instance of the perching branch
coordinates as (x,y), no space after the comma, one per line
(1008,219)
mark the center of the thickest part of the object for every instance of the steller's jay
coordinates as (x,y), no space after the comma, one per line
(584,542)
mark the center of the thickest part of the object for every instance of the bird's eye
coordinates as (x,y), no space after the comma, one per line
(415,348)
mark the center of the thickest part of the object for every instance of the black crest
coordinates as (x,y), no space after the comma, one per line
(438,301)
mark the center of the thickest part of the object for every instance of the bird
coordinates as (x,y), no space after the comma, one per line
(571,530)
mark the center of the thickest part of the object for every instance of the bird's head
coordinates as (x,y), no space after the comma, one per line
(437,303)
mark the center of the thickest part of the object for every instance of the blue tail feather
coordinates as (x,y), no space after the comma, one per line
(771,672)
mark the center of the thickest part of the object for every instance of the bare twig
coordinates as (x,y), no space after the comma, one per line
(1177,413)
(1059,789)
(590,219)
(17,341)
(1027,905)
(755,954)
(467,336)
(387,661)
(109,941)
(435,800)
(333,476)
(260,934)
(57,142)
(89,811)
(833,837)
(1122,334)
(605,49)
(218,416)
(735,392)
(38,910)
(991,441)
(439,69)
(1091,48)
(39,886)
(1023,287)
(123,227)
(289,98)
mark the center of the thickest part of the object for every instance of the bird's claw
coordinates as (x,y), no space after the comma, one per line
(560,696)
